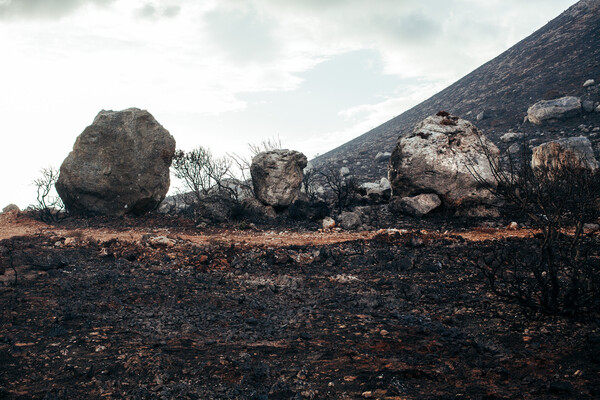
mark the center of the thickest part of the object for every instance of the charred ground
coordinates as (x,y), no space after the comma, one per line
(98,311)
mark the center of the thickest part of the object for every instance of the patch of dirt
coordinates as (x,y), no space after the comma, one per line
(157,309)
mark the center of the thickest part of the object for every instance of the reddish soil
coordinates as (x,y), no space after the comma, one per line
(101,309)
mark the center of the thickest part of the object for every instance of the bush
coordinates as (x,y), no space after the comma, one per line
(206,179)
(47,207)
(563,278)
(343,189)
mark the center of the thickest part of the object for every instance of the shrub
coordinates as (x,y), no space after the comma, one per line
(47,207)
(563,278)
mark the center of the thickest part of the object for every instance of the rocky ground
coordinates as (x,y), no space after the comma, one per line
(154,308)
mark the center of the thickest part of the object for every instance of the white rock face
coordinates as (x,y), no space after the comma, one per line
(563,108)
(277,176)
(438,157)
(573,152)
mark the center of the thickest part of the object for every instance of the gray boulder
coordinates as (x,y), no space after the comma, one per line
(349,220)
(588,106)
(382,157)
(512,136)
(10,208)
(440,156)
(254,207)
(573,152)
(277,176)
(119,165)
(416,205)
(563,108)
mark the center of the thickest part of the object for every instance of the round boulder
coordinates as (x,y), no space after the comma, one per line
(444,155)
(277,176)
(119,165)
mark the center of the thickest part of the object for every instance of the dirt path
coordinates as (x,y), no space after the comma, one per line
(13,224)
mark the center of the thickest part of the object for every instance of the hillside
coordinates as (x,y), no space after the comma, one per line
(554,61)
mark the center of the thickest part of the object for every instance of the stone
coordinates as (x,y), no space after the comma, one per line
(344,171)
(328,223)
(439,157)
(588,106)
(563,108)
(597,109)
(119,165)
(419,205)
(11,208)
(384,183)
(349,220)
(591,228)
(512,136)
(589,82)
(382,157)
(254,206)
(277,176)
(515,148)
(574,152)
(161,241)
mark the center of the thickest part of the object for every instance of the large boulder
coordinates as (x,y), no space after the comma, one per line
(119,165)
(277,176)
(573,153)
(563,108)
(444,155)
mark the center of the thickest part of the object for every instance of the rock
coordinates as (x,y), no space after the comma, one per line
(119,165)
(161,241)
(513,226)
(438,158)
(277,176)
(382,157)
(384,183)
(563,108)
(512,136)
(597,109)
(573,152)
(365,187)
(589,82)
(344,171)
(11,208)
(418,205)
(328,223)
(591,228)
(588,106)
(255,207)
(515,148)
(349,220)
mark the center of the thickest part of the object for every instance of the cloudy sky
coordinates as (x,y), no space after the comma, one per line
(225,73)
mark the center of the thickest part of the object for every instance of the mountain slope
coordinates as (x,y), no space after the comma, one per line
(555,60)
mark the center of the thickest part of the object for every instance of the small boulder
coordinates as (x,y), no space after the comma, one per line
(344,171)
(328,223)
(563,108)
(441,156)
(119,165)
(277,176)
(349,220)
(588,106)
(589,82)
(255,207)
(573,152)
(382,157)
(11,208)
(417,205)
(512,136)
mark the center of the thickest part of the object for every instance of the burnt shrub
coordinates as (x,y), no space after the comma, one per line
(558,273)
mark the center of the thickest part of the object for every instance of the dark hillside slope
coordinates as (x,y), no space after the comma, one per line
(554,61)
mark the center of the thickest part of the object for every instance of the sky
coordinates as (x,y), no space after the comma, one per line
(225,73)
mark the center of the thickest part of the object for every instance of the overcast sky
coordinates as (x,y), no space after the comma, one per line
(225,73)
